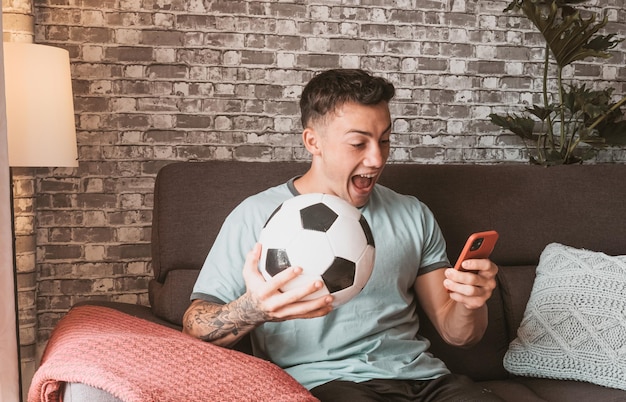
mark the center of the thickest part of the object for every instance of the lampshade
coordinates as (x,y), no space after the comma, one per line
(40,107)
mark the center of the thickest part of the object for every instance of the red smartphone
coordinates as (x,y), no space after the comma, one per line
(478,246)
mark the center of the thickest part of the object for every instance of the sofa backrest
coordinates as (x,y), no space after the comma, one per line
(530,206)
(191,200)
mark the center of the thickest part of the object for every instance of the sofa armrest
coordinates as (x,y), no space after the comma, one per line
(515,284)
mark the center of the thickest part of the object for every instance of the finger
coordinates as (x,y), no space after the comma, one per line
(285,276)
(314,313)
(272,288)
(462,289)
(469,284)
(254,255)
(462,277)
(305,309)
(474,265)
(251,264)
(470,302)
(481,266)
(298,292)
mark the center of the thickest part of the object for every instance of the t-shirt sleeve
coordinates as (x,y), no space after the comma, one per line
(434,255)
(221,275)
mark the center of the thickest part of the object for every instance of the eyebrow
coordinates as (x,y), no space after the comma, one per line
(367,133)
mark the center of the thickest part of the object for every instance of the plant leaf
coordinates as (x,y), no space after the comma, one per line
(591,103)
(540,112)
(519,125)
(568,35)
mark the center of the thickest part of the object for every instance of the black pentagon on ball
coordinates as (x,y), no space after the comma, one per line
(276,261)
(318,217)
(367,231)
(339,275)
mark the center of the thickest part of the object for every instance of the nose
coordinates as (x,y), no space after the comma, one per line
(375,157)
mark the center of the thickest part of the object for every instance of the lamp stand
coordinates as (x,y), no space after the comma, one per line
(17,313)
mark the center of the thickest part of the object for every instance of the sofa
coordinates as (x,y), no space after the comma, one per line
(580,206)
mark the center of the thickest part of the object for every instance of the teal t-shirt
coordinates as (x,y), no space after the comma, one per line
(373,336)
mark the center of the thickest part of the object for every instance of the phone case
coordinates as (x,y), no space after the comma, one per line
(478,246)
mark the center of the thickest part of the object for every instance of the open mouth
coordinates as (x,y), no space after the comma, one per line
(363,181)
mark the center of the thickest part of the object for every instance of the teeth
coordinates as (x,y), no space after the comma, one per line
(367,176)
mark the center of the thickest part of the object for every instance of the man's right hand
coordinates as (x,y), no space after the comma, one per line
(276,304)
(263,301)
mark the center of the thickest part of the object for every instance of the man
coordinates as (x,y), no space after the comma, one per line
(368,349)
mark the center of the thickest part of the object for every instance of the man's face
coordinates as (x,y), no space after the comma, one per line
(352,149)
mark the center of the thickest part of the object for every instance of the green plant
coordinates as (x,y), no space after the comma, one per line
(574,114)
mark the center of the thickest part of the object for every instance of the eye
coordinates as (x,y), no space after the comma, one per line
(358,145)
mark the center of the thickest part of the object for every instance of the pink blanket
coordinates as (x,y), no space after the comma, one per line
(140,361)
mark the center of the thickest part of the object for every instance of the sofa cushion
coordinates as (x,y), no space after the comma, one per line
(511,391)
(574,326)
(526,389)
(569,391)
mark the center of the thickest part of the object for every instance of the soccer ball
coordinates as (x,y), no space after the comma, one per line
(327,237)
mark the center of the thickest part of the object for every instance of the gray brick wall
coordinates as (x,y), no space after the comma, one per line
(157,82)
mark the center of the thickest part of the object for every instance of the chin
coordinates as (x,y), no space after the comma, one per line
(359,201)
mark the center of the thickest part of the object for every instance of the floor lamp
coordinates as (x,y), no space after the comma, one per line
(40,115)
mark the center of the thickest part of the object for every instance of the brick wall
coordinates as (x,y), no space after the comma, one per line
(160,81)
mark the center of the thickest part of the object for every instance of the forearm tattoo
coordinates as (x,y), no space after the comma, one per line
(230,319)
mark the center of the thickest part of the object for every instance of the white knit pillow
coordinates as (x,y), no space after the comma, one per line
(574,326)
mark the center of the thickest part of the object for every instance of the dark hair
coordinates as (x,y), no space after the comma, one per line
(332,88)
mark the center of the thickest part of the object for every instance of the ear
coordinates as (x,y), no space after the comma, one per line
(311,141)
